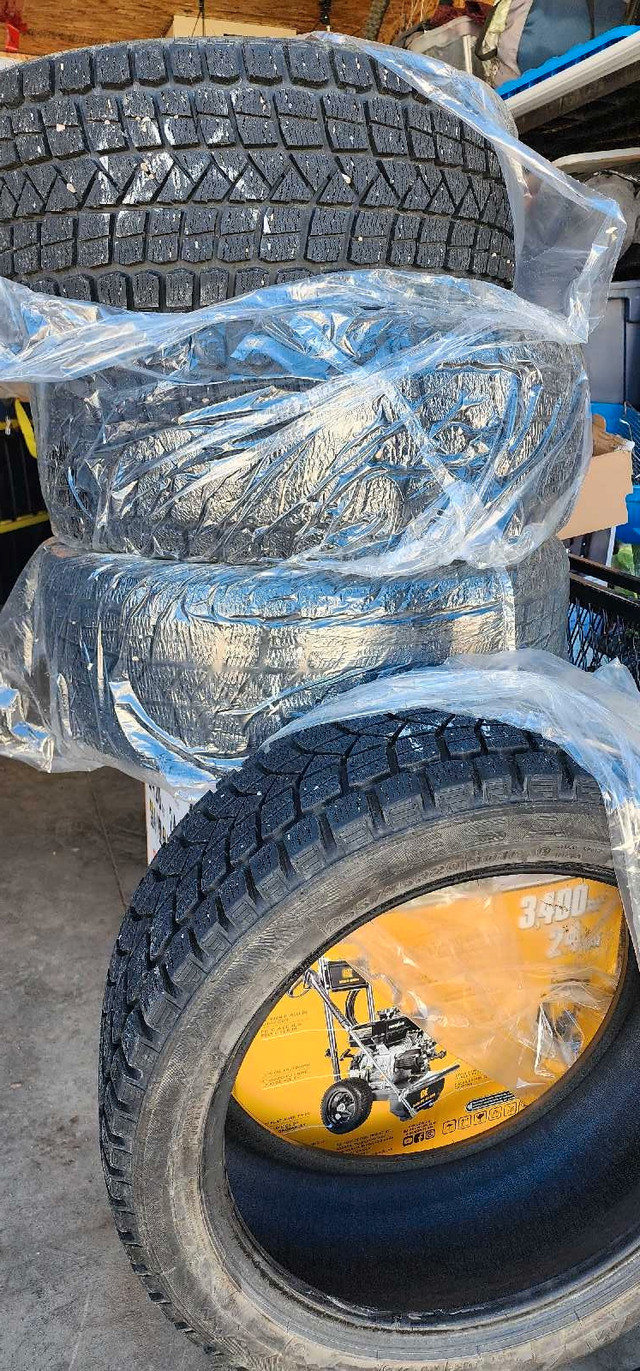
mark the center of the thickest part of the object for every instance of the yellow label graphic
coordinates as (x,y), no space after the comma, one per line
(438,1020)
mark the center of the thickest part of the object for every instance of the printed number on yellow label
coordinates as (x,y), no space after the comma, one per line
(554,906)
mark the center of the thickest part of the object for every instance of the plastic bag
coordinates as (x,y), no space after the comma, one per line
(594,717)
(376,422)
(514,975)
(454,1011)
(177,673)
(568,238)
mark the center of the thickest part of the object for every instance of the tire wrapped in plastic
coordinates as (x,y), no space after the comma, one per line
(381,422)
(182,671)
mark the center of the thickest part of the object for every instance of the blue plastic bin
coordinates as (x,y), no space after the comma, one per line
(570,58)
(630,532)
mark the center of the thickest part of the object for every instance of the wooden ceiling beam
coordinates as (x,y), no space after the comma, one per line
(55,25)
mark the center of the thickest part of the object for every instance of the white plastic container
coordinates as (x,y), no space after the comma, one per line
(454,43)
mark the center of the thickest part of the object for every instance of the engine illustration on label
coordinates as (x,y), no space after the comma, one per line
(387,1058)
(439,1020)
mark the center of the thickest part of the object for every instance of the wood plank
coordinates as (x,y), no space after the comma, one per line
(55,25)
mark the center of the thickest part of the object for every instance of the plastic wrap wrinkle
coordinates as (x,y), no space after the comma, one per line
(491,975)
(568,237)
(178,673)
(594,717)
(373,422)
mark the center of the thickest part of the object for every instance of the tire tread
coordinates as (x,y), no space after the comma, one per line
(167,176)
(174,933)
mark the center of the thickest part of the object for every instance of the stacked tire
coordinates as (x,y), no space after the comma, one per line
(135,660)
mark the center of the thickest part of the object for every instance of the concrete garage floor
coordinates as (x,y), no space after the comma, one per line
(73,848)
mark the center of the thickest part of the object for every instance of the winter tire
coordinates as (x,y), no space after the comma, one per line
(204,663)
(523,1252)
(502,416)
(167,175)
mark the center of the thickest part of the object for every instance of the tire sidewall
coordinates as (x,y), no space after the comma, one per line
(204,1259)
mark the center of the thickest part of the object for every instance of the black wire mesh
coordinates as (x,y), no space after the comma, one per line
(22,525)
(20,492)
(630,427)
(604,616)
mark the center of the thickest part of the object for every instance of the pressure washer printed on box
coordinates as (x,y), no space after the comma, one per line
(392,1057)
(387,1044)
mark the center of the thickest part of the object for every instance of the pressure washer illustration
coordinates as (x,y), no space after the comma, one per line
(389,1055)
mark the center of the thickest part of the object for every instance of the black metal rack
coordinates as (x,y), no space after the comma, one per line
(604,616)
(24,521)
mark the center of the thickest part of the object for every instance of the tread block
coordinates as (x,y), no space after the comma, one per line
(215,864)
(452,785)
(495,776)
(416,749)
(237,903)
(461,741)
(502,737)
(73,71)
(585,786)
(139,1055)
(137,968)
(319,787)
(112,65)
(401,801)
(541,773)
(171,859)
(208,929)
(268,873)
(243,840)
(37,80)
(185,970)
(114,1155)
(351,822)
(304,847)
(158,1011)
(187,894)
(367,765)
(149,63)
(162,931)
(278,813)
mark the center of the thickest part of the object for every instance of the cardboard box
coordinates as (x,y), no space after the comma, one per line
(190,26)
(601,502)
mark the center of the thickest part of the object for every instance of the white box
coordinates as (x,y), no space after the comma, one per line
(162,812)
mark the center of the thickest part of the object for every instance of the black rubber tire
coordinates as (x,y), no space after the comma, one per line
(314,836)
(167,486)
(165,175)
(361,1096)
(219,659)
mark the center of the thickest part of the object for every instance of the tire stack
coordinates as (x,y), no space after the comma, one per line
(170,175)
(194,601)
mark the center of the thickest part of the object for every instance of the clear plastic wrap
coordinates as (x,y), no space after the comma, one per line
(178,673)
(457,1009)
(594,717)
(385,421)
(567,237)
(514,974)
(380,422)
